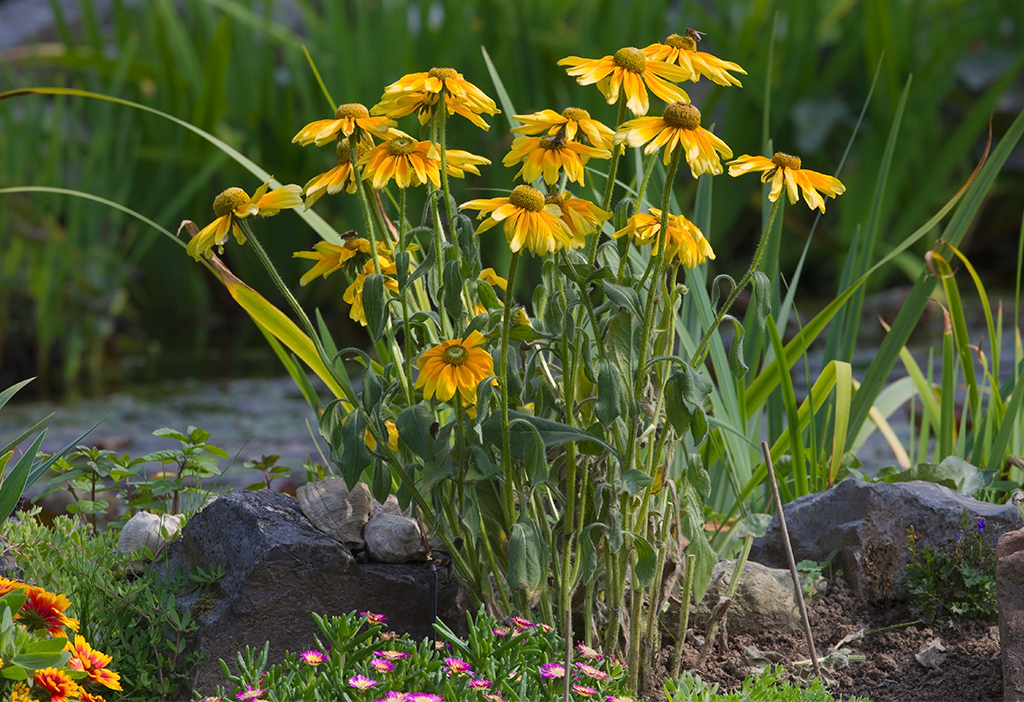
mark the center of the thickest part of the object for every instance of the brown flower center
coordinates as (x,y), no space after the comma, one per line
(343,153)
(786,161)
(351,110)
(552,142)
(528,198)
(401,146)
(682,116)
(575,114)
(631,59)
(442,73)
(229,200)
(677,41)
(455,355)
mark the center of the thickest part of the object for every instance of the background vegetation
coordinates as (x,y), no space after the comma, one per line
(88,298)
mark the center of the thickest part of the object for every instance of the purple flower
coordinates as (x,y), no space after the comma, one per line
(361,682)
(521,623)
(250,693)
(457,666)
(382,665)
(552,670)
(981,526)
(479,684)
(373,618)
(584,690)
(313,657)
(394,696)
(960,536)
(423,697)
(391,655)
(593,672)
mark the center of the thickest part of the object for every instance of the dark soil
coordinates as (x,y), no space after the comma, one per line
(970,672)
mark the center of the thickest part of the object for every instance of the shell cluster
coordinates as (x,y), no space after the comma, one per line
(146,530)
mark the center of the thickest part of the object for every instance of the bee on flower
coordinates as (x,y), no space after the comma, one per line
(548,155)
(682,50)
(234,205)
(629,70)
(572,122)
(352,255)
(679,127)
(422,92)
(786,169)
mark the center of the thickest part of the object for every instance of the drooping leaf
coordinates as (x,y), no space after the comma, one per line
(524,572)
(610,395)
(414,428)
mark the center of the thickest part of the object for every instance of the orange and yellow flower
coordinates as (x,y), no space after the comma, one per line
(351,118)
(629,70)
(331,182)
(679,127)
(403,159)
(682,50)
(685,241)
(581,216)
(94,663)
(11,585)
(354,293)
(352,254)
(45,610)
(529,222)
(20,693)
(548,155)
(421,93)
(56,684)
(457,365)
(233,205)
(785,169)
(570,122)
(86,696)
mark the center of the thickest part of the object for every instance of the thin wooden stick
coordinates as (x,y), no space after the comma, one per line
(792,562)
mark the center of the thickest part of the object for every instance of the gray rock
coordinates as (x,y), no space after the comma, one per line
(278,570)
(393,538)
(867,524)
(1010,596)
(763,601)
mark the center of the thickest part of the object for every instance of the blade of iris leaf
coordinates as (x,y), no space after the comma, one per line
(315,221)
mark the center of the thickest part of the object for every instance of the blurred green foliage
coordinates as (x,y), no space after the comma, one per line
(87,297)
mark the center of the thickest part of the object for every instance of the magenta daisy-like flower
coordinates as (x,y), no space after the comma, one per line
(588,652)
(479,684)
(552,670)
(522,623)
(591,671)
(457,666)
(313,657)
(391,655)
(423,697)
(373,618)
(361,682)
(249,693)
(382,666)
(500,631)
(618,698)
(584,690)
(394,696)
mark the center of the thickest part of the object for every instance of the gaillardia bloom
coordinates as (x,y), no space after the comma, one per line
(402,158)
(93,663)
(685,240)
(628,69)
(549,154)
(422,91)
(331,182)
(678,127)
(581,216)
(354,293)
(232,205)
(682,50)
(45,610)
(529,222)
(785,168)
(57,684)
(571,122)
(352,254)
(457,365)
(351,118)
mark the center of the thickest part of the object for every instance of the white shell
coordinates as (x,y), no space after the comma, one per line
(392,538)
(390,506)
(146,530)
(333,509)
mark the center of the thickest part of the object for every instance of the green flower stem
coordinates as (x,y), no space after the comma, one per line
(567,580)
(499,580)
(636,615)
(406,301)
(698,356)
(364,204)
(506,443)
(585,298)
(442,117)
(609,188)
(641,192)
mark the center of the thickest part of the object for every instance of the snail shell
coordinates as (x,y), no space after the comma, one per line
(335,510)
(146,530)
(394,538)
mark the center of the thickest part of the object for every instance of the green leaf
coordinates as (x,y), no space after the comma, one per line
(414,428)
(955,473)
(633,481)
(36,661)
(551,432)
(624,297)
(380,486)
(536,462)
(374,305)
(13,485)
(736,364)
(762,298)
(487,297)
(610,395)
(646,561)
(373,387)
(452,276)
(524,571)
(171,434)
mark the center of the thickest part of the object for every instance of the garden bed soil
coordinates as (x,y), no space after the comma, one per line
(970,672)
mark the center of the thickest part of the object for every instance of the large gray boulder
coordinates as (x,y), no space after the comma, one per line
(867,524)
(1010,596)
(278,570)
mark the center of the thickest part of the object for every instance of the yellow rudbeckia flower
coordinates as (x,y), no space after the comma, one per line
(421,92)
(549,154)
(352,254)
(628,69)
(783,168)
(570,122)
(460,162)
(354,293)
(529,222)
(581,216)
(682,50)
(331,182)
(678,127)
(403,159)
(350,118)
(685,241)
(489,276)
(392,428)
(457,365)
(234,204)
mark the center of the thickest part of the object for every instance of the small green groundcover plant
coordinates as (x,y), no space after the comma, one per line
(512,659)
(957,580)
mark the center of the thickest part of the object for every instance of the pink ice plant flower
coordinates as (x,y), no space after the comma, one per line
(500,631)
(423,697)
(394,696)
(391,655)
(249,693)
(610,698)
(588,652)
(312,657)
(382,666)
(457,666)
(479,684)
(373,618)
(361,682)
(593,672)
(522,623)
(584,690)
(552,670)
